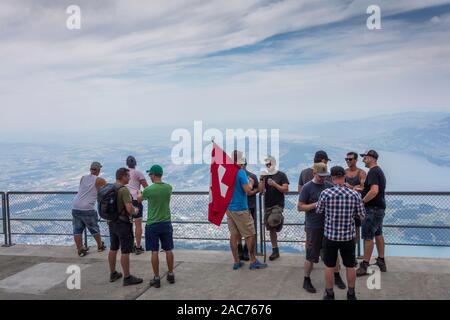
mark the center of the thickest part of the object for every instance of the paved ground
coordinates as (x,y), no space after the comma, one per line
(39,272)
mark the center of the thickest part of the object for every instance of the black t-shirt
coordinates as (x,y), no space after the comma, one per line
(375,176)
(252,199)
(273,197)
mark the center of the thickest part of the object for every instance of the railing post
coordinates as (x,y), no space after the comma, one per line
(5,227)
(85,238)
(358,246)
(260,217)
(8,221)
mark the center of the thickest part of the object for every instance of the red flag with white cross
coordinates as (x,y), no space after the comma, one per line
(223,177)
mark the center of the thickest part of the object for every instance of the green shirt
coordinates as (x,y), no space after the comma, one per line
(158,197)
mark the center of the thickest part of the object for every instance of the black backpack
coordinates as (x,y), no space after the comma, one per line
(107,200)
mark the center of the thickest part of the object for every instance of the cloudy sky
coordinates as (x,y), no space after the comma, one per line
(136,62)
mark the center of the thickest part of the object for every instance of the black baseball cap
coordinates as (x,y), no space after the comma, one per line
(371,153)
(321,155)
(337,171)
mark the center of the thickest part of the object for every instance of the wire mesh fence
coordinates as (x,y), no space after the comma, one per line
(412,218)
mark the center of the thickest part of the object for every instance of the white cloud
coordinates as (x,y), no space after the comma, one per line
(141,59)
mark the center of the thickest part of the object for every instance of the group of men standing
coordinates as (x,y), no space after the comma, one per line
(336,205)
(128,200)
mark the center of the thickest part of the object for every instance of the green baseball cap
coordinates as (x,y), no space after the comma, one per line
(155,169)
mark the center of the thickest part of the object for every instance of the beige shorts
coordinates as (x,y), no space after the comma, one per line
(241,223)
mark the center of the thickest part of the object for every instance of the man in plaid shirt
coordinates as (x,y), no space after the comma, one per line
(340,206)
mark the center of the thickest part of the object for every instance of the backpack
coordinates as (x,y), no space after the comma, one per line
(107,200)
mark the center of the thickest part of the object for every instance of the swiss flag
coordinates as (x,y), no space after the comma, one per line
(223,177)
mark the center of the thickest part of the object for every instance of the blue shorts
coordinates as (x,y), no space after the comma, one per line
(372,225)
(161,231)
(85,219)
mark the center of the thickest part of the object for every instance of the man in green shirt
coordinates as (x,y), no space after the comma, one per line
(159,226)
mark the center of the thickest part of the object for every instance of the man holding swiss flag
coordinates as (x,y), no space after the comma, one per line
(228,194)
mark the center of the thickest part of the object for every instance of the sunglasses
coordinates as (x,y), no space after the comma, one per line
(268,165)
(349,159)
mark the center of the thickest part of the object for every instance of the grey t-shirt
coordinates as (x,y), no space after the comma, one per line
(305,176)
(310,194)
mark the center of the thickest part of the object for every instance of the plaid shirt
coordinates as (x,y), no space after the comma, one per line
(340,205)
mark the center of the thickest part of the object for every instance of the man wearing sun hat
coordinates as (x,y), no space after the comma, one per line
(159,225)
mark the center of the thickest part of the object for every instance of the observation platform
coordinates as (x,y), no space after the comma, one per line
(39,272)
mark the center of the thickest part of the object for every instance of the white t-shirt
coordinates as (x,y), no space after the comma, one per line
(135,185)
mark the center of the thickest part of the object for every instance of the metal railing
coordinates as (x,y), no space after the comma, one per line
(3,227)
(412,219)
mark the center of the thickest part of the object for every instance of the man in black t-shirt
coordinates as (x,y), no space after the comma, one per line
(375,204)
(274,184)
(307,174)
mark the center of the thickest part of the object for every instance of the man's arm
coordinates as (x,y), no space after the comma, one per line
(372,193)
(100,182)
(284,188)
(362,178)
(126,197)
(143,183)
(320,205)
(360,210)
(247,188)
(130,209)
(302,206)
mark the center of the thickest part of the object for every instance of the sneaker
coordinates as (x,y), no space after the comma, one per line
(131,280)
(328,296)
(351,296)
(115,276)
(139,250)
(307,285)
(381,264)
(101,248)
(236,266)
(171,278)
(257,265)
(275,254)
(82,252)
(362,270)
(155,282)
(338,281)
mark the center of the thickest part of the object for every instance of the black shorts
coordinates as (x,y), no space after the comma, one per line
(314,239)
(140,207)
(121,236)
(345,248)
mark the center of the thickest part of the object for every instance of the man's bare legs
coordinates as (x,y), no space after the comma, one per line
(138,232)
(124,261)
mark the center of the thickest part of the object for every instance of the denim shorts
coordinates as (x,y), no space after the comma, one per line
(156,232)
(372,225)
(85,219)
